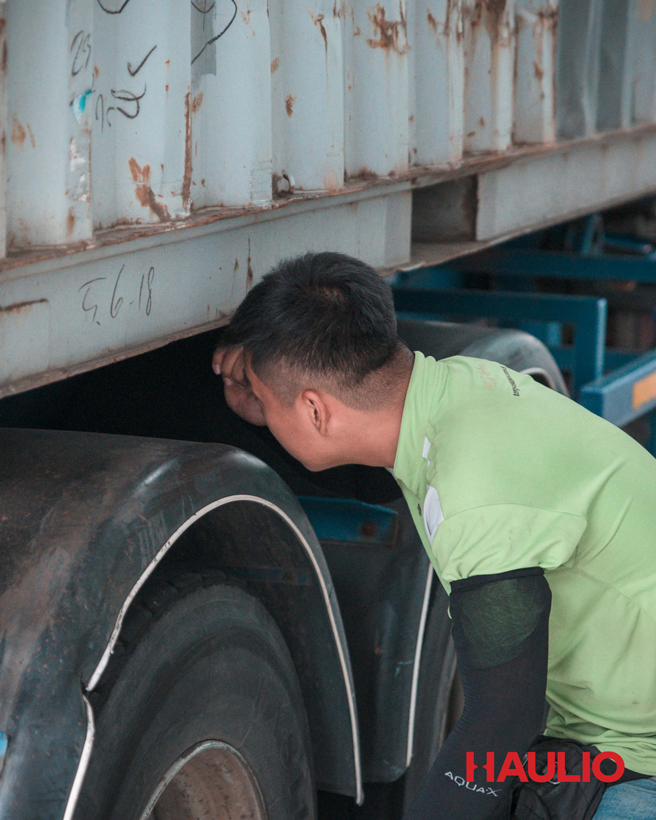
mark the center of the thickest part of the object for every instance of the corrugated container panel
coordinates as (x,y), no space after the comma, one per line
(3,130)
(141,71)
(489,29)
(618,40)
(577,69)
(535,101)
(230,132)
(150,111)
(436,76)
(307,98)
(375,87)
(643,91)
(49,72)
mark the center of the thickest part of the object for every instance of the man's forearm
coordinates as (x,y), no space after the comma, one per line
(504,702)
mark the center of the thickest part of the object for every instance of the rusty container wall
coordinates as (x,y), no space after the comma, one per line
(154,109)
(160,155)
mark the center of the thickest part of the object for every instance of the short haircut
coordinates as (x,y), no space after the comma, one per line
(322,320)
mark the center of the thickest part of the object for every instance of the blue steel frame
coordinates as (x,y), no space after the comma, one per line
(346,520)
(586,313)
(611,396)
(560,265)
(603,380)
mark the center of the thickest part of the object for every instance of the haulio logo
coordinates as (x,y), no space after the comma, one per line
(555,771)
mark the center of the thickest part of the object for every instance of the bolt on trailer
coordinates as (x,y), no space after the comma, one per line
(187,615)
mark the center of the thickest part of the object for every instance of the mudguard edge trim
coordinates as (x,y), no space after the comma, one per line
(93,681)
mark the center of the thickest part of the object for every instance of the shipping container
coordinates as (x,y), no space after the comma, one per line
(161,155)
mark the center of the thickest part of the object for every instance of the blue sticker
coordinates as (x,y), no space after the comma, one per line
(4,740)
(80,103)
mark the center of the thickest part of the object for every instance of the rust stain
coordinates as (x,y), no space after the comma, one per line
(234,276)
(202,182)
(391,34)
(186,179)
(17,132)
(432,22)
(275,65)
(539,72)
(343,10)
(70,222)
(18,306)
(138,173)
(4,53)
(144,192)
(197,102)
(481,121)
(318,19)
(32,141)
(364,174)
(166,88)
(246,17)
(249,267)
(289,104)
(147,198)
(167,63)
(496,21)
(96,71)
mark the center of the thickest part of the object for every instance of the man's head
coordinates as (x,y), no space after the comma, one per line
(320,353)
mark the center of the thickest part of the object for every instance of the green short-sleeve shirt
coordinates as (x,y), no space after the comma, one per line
(501,473)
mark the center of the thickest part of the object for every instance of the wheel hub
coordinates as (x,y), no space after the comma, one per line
(210,781)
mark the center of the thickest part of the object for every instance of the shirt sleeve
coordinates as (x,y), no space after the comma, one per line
(503,537)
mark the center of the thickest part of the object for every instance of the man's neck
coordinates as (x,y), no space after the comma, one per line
(376,433)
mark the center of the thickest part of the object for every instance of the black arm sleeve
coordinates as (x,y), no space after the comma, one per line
(501,635)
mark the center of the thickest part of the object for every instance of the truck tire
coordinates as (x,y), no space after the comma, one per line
(514,348)
(200,713)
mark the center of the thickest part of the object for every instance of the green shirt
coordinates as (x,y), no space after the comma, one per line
(502,473)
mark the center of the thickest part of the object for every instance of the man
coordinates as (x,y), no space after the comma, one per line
(538,517)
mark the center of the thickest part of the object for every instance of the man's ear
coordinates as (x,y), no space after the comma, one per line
(318,410)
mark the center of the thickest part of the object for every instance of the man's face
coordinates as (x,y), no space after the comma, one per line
(294,426)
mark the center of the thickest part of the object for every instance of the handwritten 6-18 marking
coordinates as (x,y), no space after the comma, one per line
(98,299)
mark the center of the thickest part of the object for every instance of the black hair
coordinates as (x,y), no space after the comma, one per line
(323,315)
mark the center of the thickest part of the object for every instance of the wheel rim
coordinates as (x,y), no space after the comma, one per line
(210,781)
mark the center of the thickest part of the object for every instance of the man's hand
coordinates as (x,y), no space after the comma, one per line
(230,365)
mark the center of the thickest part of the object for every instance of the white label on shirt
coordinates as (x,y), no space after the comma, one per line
(427,446)
(432,513)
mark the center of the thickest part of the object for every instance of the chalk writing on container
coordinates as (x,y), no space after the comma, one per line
(113,6)
(106,297)
(134,71)
(81,50)
(204,7)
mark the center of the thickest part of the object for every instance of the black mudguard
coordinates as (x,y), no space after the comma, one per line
(83,517)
